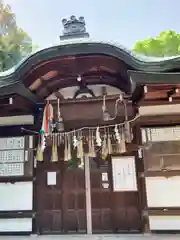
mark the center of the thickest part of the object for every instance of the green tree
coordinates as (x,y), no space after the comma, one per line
(15,43)
(166,44)
(7,19)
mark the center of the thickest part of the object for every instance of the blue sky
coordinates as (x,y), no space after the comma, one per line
(123,21)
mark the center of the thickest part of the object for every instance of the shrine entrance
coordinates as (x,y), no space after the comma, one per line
(61,202)
(60,199)
(87,104)
(112,212)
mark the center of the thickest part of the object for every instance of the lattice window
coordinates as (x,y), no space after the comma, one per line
(163,148)
(15,157)
(160,134)
(12,163)
(12,143)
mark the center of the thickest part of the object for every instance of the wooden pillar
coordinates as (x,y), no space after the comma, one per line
(142,183)
(88,194)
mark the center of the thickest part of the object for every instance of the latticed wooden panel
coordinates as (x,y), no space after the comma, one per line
(12,143)
(11,169)
(16,156)
(160,134)
(163,148)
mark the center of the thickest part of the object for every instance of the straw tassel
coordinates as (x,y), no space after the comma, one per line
(89,146)
(80,149)
(92,152)
(80,153)
(39,153)
(54,157)
(98,137)
(118,147)
(109,145)
(75,141)
(65,149)
(104,148)
(122,142)
(69,149)
(118,139)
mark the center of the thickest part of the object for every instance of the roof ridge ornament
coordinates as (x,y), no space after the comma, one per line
(74,28)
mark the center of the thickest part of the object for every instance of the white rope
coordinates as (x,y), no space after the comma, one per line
(100,127)
(87,128)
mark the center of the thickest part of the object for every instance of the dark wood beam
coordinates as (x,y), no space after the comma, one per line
(57,84)
(159,120)
(19,89)
(142,77)
(79,65)
(86,110)
(26,93)
(68,80)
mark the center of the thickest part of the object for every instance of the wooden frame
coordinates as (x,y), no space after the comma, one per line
(128,169)
(169,211)
(19,210)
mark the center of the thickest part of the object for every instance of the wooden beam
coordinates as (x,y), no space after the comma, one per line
(88,194)
(158,120)
(141,77)
(79,65)
(60,82)
(90,110)
(161,94)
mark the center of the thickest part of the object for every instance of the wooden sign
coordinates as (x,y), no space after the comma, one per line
(124,174)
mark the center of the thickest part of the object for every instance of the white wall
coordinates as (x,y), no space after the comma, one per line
(17,196)
(164,223)
(163,192)
(15,225)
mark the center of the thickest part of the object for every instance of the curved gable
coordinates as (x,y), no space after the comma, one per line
(13,78)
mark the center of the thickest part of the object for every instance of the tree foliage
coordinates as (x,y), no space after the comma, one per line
(166,44)
(15,43)
(7,19)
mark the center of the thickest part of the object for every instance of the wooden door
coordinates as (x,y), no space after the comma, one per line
(112,211)
(61,207)
(74,202)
